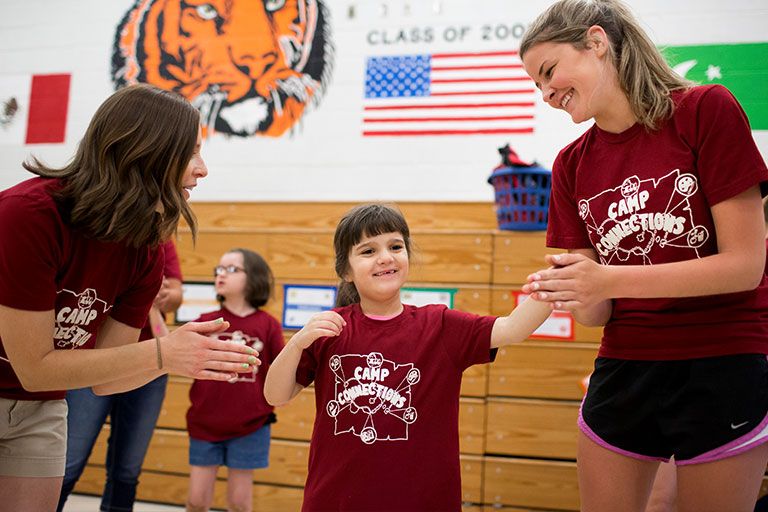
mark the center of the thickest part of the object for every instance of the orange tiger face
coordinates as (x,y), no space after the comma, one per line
(250,66)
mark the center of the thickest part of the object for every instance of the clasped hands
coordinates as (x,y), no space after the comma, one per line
(572,282)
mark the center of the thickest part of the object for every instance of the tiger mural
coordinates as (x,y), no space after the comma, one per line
(251,67)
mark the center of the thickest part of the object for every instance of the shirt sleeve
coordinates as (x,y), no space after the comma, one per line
(31,236)
(307,369)
(132,306)
(565,229)
(467,337)
(728,161)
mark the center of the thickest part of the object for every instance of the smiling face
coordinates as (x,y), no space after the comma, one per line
(569,79)
(581,81)
(195,170)
(378,266)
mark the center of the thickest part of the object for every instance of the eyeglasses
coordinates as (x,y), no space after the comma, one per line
(220,270)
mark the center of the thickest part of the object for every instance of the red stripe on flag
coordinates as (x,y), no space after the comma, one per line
(473,54)
(406,133)
(48,102)
(456,105)
(426,119)
(479,80)
(467,68)
(475,93)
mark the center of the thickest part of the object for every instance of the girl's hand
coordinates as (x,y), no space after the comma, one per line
(573,282)
(191,352)
(325,324)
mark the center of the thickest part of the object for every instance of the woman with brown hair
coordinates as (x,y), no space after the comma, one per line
(80,268)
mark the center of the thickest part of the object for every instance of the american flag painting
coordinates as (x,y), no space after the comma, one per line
(447,94)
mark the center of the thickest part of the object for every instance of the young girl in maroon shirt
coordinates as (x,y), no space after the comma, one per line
(229,422)
(659,205)
(387,377)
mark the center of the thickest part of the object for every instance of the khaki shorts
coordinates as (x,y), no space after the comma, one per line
(33,437)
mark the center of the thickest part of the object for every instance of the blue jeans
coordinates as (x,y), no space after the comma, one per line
(250,451)
(133,415)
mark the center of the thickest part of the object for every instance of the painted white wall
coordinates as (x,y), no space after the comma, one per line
(326,158)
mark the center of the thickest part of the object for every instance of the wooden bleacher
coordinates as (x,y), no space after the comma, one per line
(517,415)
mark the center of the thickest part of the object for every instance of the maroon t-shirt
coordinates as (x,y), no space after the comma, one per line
(641,198)
(171,269)
(225,410)
(387,396)
(46,265)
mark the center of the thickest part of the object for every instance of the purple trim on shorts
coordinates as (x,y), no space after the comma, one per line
(597,439)
(751,439)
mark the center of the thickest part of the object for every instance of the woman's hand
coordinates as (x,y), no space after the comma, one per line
(574,281)
(192,352)
(325,324)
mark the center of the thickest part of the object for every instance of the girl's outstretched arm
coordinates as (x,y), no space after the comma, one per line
(520,323)
(280,385)
(529,315)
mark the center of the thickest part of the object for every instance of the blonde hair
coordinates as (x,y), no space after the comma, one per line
(644,75)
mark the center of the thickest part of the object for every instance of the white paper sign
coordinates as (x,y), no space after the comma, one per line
(303,301)
(199,298)
(423,296)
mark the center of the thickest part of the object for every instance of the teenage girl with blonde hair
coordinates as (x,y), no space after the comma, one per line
(659,206)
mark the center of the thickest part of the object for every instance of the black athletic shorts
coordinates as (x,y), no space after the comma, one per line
(698,410)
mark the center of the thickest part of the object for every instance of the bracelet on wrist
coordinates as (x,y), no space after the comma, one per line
(159,353)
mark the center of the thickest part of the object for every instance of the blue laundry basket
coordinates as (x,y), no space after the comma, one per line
(522,197)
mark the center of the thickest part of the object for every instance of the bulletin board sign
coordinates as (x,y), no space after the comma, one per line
(560,325)
(300,302)
(424,296)
(198,298)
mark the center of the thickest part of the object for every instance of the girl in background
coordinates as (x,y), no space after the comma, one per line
(659,205)
(229,422)
(387,377)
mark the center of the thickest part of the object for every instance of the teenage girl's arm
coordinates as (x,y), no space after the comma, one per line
(27,338)
(280,385)
(579,282)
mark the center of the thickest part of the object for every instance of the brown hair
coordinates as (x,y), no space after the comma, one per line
(131,159)
(259,280)
(361,221)
(644,75)
(765,209)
